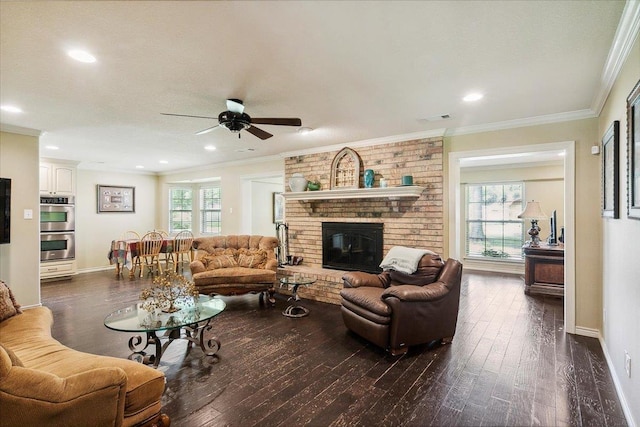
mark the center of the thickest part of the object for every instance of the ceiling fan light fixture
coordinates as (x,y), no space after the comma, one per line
(235,122)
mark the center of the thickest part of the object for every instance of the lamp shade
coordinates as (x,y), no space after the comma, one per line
(533,211)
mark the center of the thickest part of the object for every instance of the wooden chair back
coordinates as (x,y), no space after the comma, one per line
(150,244)
(129,235)
(183,242)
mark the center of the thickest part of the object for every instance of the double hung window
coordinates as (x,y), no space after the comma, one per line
(196,208)
(493,229)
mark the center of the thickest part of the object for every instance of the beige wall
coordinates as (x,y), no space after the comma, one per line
(20,259)
(588,243)
(234,199)
(621,252)
(94,231)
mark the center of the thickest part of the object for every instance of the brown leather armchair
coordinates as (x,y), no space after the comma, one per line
(396,310)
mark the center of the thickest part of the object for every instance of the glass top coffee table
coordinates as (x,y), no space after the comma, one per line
(192,322)
(295,309)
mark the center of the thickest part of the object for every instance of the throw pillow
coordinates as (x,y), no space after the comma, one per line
(8,305)
(252,258)
(220,261)
(12,356)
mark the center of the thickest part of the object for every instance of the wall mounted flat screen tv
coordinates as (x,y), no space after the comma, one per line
(5,210)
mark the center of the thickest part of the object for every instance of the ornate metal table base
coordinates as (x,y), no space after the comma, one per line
(196,333)
(296,311)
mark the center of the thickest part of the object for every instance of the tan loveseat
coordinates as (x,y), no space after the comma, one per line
(235,265)
(43,383)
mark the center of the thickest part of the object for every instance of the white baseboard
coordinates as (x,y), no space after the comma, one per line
(626,408)
(587,332)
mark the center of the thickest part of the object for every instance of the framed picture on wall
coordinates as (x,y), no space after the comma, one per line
(116,199)
(633,153)
(278,208)
(610,171)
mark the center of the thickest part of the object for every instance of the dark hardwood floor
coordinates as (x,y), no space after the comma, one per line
(510,363)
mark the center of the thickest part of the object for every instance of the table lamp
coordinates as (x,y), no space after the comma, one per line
(534,213)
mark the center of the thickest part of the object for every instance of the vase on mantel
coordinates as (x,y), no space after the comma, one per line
(297,182)
(369,175)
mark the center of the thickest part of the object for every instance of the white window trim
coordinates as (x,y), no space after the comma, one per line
(195,206)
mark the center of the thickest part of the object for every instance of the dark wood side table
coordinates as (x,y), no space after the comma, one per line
(544,270)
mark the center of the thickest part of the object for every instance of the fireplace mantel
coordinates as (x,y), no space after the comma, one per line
(391,193)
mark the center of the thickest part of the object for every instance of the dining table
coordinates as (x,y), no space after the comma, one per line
(123,252)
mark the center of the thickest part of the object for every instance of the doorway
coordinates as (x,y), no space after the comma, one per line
(456,195)
(257,203)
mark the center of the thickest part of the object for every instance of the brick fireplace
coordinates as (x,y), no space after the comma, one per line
(415,222)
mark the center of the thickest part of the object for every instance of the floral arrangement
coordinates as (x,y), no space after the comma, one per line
(168,289)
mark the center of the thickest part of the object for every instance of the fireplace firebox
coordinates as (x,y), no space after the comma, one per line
(352,246)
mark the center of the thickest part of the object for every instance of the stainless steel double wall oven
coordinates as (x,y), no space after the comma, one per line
(57,228)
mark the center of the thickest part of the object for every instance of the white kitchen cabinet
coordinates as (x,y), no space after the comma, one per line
(57,179)
(57,269)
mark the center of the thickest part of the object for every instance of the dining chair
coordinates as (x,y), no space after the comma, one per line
(182,244)
(129,235)
(149,252)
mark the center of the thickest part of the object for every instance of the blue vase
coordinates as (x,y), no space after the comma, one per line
(368,178)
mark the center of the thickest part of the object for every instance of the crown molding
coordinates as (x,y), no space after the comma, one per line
(529,121)
(19,130)
(367,142)
(623,41)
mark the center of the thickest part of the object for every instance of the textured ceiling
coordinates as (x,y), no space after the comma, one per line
(350,70)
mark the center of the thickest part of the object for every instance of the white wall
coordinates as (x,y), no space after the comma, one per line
(262,207)
(20,259)
(621,254)
(95,231)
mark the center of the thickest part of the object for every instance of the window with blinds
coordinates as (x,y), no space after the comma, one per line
(493,229)
(210,210)
(180,209)
(197,208)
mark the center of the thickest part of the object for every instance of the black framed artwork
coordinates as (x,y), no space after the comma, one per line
(611,171)
(633,153)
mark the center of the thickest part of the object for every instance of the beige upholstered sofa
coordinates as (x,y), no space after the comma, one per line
(43,383)
(235,265)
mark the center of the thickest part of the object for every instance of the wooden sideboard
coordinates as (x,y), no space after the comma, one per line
(544,270)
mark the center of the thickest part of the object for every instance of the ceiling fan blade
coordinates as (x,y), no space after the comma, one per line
(277,121)
(259,132)
(187,115)
(207,130)
(235,105)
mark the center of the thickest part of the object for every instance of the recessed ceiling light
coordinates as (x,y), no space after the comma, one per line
(164,162)
(11,109)
(210,148)
(139,167)
(82,56)
(472,97)
(52,147)
(304,130)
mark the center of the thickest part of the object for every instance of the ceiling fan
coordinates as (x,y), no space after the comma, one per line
(235,119)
